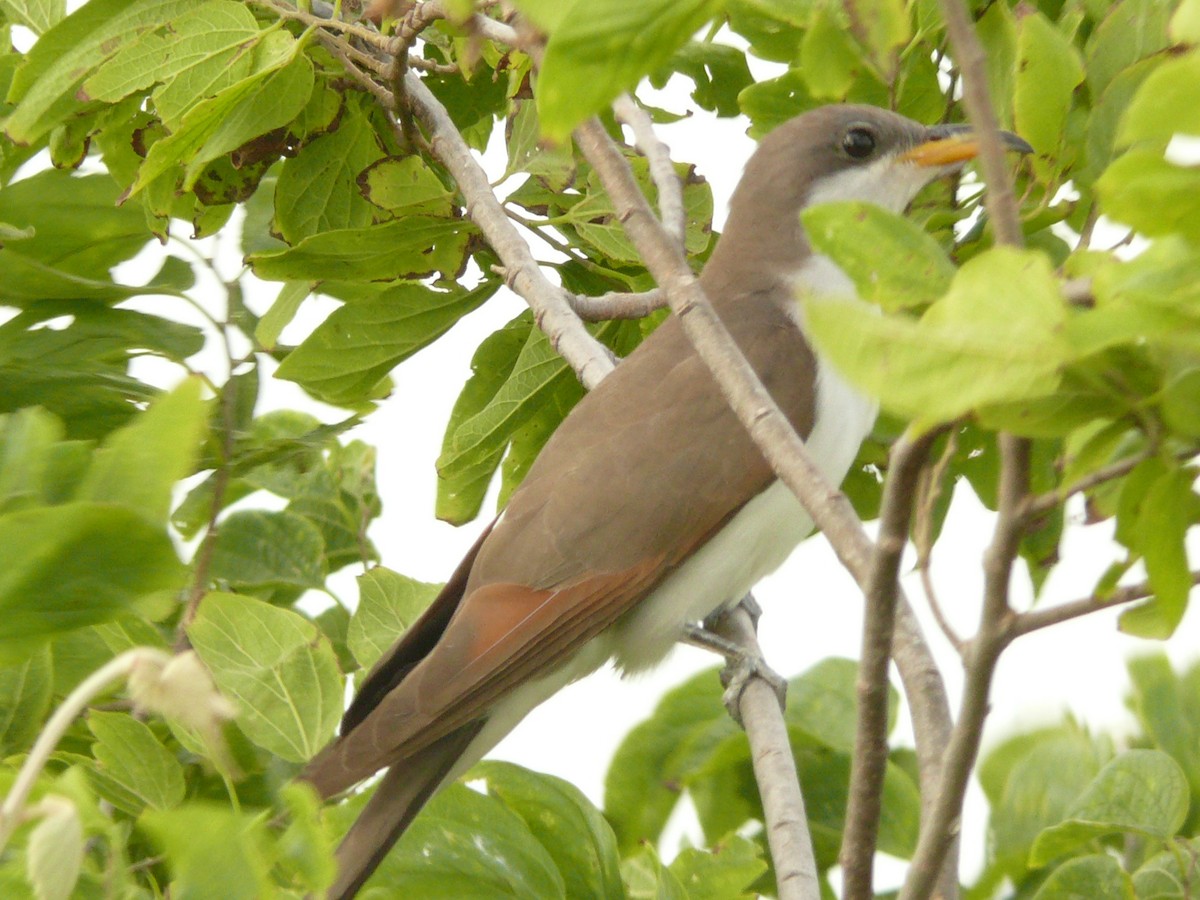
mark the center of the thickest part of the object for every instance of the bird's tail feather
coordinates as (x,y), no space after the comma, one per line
(404,790)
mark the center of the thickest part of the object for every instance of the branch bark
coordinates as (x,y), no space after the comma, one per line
(870,739)
(662,170)
(774,771)
(549,302)
(940,829)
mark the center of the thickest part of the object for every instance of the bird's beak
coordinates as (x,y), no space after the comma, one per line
(947,145)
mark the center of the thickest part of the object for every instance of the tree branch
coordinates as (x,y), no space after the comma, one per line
(618,305)
(870,738)
(939,833)
(551,307)
(774,770)
(662,170)
(934,858)
(1036,619)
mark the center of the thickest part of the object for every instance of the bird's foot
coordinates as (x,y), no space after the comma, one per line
(742,667)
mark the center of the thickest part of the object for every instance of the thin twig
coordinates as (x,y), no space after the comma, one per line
(552,310)
(935,861)
(338,48)
(618,305)
(939,832)
(774,771)
(204,555)
(930,492)
(662,170)
(364,34)
(865,802)
(969,54)
(1038,504)
(1037,619)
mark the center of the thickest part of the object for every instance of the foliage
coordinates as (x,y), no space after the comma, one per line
(133,516)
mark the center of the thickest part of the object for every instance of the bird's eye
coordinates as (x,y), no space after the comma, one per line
(859,142)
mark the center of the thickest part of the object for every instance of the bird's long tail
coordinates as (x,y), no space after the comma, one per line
(404,790)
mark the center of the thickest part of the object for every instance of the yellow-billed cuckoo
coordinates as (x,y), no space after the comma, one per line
(650,507)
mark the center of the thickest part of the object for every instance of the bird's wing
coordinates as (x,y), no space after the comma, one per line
(581,542)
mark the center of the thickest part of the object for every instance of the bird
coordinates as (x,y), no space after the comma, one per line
(650,507)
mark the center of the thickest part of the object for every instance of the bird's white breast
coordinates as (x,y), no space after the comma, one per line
(763,534)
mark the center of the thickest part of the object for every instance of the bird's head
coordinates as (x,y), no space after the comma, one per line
(834,153)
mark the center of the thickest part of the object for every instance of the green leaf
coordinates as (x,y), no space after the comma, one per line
(54,855)
(823,703)
(646,878)
(1048,70)
(892,262)
(726,872)
(718,71)
(884,26)
(995,336)
(78,227)
(1163,522)
(1168,875)
(528,440)
(305,848)
(829,58)
(194,55)
(460,492)
(78,370)
(644,779)
(772,102)
(266,99)
(212,852)
(318,189)
(1166,711)
(78,564)
(603,47)
(36,15)
(378,328)
(997,30)
(466,844)
(406,248)
(537,371)
(1141,792)
(1167,103)
(1095,877)
(127,753)
(1132,30)
(1032,781)
(28,440)
(283,310)
(45,87)
(572,830)
(1185,23)
(1153,196)
(398,183)
(1106,119)
(25,689)
(139,465)
(277,667)
(255,547)
(388,603)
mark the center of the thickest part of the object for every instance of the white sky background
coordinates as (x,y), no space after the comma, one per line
(811,606)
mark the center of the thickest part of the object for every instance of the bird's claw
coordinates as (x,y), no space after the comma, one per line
(738,673)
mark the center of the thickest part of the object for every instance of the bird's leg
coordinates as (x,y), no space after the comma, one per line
(741,664)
